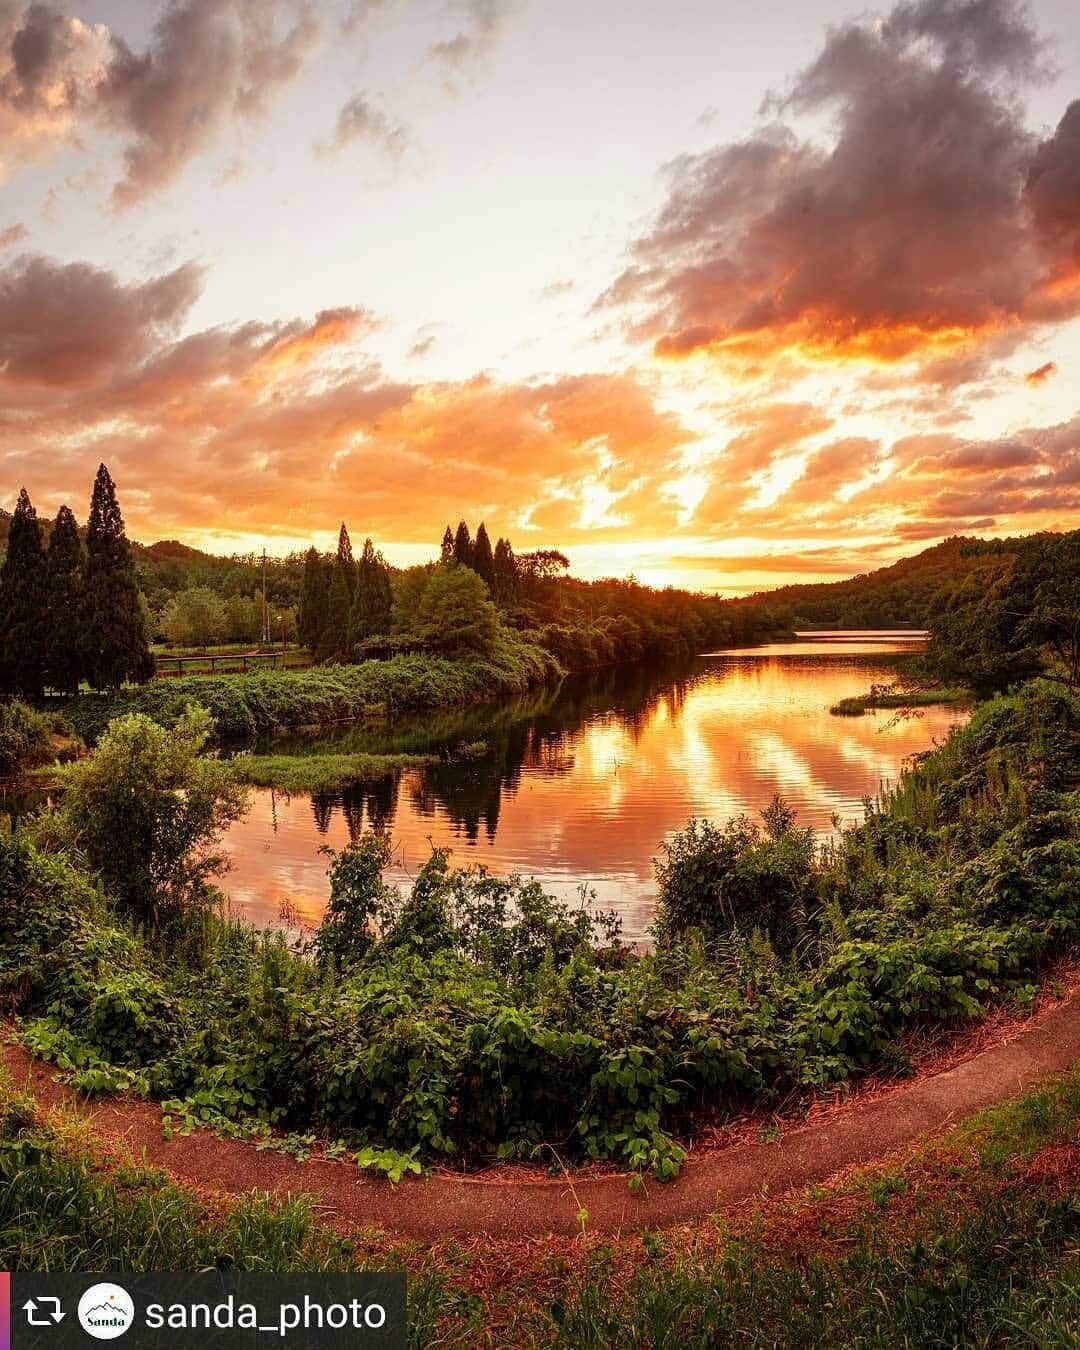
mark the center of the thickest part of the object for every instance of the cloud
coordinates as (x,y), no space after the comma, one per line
(1041,374)
(360,119)
(931,221)
(209,63)
(51,68)
(483,25)
(12,235)
(67,326)
(302,417)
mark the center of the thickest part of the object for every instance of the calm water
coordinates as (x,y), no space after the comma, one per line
(580,785)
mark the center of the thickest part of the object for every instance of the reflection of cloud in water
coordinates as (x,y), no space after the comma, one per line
(583,789)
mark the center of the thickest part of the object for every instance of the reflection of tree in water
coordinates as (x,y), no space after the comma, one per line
(470,793)
(535,732)
(369,806)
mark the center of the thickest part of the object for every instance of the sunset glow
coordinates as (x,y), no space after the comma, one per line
(764,294)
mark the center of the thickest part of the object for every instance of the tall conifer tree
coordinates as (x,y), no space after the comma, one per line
(114,638)
(483,562)
(64,565)
(447,550)
(463,546)
(506,574)
(371,606)
(22,605)
(335,636)
(314,598)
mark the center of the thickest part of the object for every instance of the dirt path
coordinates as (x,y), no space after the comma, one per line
(443,1205)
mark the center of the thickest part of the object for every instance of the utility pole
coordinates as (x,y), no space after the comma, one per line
(265,611)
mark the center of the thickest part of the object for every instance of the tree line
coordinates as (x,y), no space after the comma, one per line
(71,611)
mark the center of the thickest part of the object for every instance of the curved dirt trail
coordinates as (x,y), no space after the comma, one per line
(443,1205)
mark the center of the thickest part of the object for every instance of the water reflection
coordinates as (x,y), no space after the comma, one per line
(579,786)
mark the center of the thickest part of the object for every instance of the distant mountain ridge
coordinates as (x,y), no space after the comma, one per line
(894,596)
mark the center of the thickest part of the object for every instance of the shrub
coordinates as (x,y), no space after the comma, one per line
(25,738)
(145,810)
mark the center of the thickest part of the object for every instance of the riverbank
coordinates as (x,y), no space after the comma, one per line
(323,772)
(488,1020)
(245,706)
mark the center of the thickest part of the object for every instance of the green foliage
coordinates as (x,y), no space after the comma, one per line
(991,630)
(25,738)
(23,593)
(712,879)
(373,598)
(62,653)
(483,560)
(113,624)
(456,613)
(322,772)
(196,617)
(314,600)
(246,705)
(476,1016)
(145,810)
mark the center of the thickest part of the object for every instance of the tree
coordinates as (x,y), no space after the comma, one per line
(334,641)
(114,637)
(447,551)
(1045,588)
(195,618)
(483,561)
(998,626)
(456,612)
(506,573)
(374,596)
(64,565)
(314,599)
(463,546)
(22,604)
(243,617)
(147,810)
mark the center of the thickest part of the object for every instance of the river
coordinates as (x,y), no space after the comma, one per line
(579,786)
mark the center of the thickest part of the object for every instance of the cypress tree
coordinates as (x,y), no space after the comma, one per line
(447,551)
(314,597)
(483,561)
(22,605)
(463,546)
(335,636)
(371,606)
(63,581)
(506,574)
(114,639)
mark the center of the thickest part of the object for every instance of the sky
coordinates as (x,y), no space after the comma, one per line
(717,293)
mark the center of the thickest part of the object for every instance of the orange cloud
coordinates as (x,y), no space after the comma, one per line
(1041,374)
(932,224)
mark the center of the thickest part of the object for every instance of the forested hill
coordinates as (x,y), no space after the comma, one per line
(895,596)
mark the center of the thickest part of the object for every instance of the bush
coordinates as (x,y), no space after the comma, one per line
(25,738)
(145,810)
(478,1017)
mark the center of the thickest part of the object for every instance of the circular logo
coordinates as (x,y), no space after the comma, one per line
(106,1311)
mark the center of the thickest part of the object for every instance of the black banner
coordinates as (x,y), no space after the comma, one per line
(234,1310)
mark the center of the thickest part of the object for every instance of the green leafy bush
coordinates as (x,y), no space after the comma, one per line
(477,1017)
(25,738)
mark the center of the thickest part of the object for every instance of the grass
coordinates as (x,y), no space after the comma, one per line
(243,706)
(880,697)
(971,1239)
(324,772)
